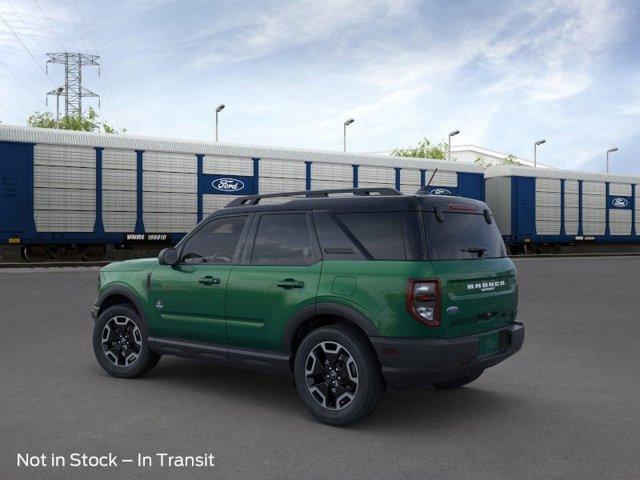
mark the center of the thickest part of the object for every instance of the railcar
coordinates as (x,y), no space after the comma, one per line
(546,210)
(69,195)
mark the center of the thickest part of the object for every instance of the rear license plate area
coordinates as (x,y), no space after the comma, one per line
(489,344)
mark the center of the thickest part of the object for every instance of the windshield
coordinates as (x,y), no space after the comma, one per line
(462,236)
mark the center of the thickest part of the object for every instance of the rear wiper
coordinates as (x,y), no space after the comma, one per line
(480,251)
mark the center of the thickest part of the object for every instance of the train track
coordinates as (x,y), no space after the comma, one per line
(4,265)
(565,255)
(51,264)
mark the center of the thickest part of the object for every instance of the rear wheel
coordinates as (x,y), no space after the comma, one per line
(120,343)
(459,382)
(337,375)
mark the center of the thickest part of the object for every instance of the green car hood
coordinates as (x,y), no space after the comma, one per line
(130,265)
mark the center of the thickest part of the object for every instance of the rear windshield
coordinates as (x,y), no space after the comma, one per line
(462,236)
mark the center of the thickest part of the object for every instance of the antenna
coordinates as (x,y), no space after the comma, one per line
(431,179)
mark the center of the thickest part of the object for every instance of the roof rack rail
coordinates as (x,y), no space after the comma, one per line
(362,192)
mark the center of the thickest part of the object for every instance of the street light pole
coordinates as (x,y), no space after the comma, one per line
(59,90)
(611,150)
(344,133)
(535,152)
(452,134)
(218,110)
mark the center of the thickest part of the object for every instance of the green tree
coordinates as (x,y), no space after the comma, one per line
(425,149)
(510,159)
(89,123)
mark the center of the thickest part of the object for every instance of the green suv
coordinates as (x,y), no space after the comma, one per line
(348,291)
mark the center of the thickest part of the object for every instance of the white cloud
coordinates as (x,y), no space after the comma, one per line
(291,72)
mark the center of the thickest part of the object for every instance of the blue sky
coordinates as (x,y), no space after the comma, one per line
(504,73)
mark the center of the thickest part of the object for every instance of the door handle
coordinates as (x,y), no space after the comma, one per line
(290,283)
(209,280)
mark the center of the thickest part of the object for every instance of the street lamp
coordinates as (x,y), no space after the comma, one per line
(611,150)
(344,134)
(535,151)
(452,134)
(57,92)
(218,110)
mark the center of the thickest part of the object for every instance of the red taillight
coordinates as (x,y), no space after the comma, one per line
(461,207)
(423,301)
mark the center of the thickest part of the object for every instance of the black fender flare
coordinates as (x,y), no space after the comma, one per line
(325,308)
(124,291)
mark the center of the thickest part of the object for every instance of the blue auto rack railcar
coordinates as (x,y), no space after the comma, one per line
(542,210)
(67,194)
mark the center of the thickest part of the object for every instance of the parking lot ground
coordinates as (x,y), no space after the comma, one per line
(566,406)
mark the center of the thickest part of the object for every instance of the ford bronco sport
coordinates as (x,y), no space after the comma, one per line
(348,291)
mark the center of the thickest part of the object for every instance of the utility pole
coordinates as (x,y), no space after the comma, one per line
(535,152)
(611,150)
(57,92)
(73,90)
(219,108)
(452,134)
(344,133)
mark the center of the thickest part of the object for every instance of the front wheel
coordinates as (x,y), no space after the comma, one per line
(120,343)
(338,376)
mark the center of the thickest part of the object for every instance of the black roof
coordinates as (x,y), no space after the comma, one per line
(387,200)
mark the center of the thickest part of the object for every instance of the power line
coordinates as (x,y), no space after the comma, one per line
(12,113)
(75,27)
(27,49)
(93,44)
(21,81)
(50,26)
(106,85)
(24,26)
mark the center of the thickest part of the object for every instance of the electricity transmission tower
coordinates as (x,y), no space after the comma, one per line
(73,90)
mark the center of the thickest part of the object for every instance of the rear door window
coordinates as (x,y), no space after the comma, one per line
(462,236)
(380,233)
(283,239)
(334,241)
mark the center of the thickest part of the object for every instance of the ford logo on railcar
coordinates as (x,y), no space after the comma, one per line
(227,184)
(619,202)
(440,191)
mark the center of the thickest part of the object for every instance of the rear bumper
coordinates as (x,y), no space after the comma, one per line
(417,362)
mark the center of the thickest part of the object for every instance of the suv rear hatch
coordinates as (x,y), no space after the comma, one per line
(478,282)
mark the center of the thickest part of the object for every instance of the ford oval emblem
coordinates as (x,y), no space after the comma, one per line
(440,191)
(227,184)
(452,310)
(619,202)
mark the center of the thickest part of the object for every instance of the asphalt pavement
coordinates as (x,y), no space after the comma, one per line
(567,406)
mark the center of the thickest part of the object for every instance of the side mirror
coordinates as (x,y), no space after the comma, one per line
(168,256)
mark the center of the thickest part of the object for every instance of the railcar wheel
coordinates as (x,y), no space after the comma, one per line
(93,253)
(36,253)
(67,253)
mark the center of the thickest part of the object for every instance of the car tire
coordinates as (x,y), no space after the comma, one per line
(120,343)
(459,382)
(337,375)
